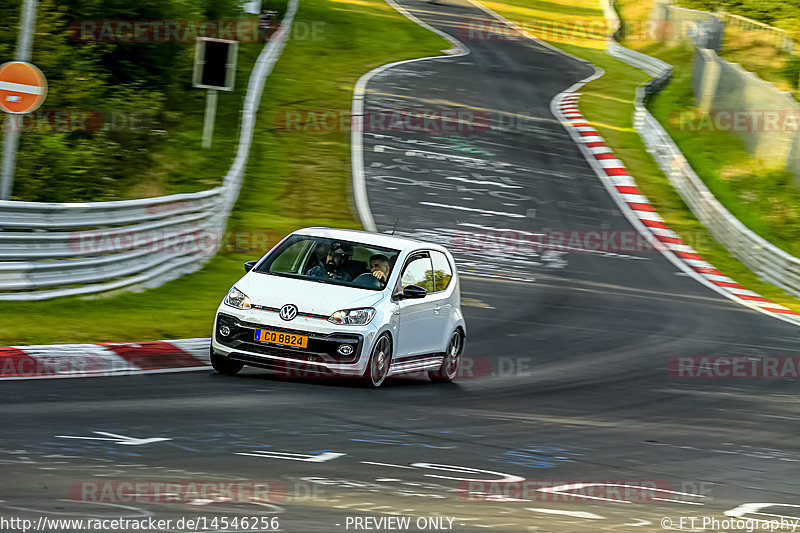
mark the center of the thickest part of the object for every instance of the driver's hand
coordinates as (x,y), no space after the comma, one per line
(380,275)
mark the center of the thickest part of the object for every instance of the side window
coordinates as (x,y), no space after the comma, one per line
(441,271)
(418,272)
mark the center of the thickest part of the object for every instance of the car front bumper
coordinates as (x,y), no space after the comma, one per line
(320,357)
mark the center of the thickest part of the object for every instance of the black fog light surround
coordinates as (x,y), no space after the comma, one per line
(345,349)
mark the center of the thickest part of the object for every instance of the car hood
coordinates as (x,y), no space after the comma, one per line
(309,296)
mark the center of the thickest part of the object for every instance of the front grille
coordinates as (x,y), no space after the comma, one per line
(321,347)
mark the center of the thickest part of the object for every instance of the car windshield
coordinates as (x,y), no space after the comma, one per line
(327,260)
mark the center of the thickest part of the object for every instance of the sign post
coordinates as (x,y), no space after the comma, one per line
(215,70)
(24,99)
(210,118)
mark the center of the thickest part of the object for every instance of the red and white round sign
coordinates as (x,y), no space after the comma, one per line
(23,88)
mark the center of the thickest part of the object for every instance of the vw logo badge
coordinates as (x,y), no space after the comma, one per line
(288,312)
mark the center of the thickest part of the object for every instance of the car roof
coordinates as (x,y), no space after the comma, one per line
(368,238)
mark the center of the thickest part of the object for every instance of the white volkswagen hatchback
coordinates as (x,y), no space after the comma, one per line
(344,303)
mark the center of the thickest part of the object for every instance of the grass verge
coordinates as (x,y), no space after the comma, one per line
(607,103)
(293,179)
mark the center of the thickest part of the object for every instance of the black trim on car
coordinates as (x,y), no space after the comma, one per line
(278,310)
(322,348)
(292,369)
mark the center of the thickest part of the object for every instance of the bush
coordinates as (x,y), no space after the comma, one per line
(792,71)
(103,76)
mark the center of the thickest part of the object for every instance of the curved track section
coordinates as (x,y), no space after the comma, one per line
(566,385)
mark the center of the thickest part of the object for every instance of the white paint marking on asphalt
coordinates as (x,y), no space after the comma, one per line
(649,215)
(574,514)
(197,347)
(346,505)
(665,232)
(622,181)
(714,277)
(387,464)
(321,458)
(610,163)
(479,182)
(599,149)
(491,228)
(564,489)
(676,501)
(474,210)
(81,360)
(117,439)
(505,478)
(754,508)
(681,248)
(635,198)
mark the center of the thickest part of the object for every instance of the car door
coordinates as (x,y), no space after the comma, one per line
(442,300)
(417,326)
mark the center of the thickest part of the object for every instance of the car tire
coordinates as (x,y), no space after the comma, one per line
(225,366)
(452,358)
(379,362)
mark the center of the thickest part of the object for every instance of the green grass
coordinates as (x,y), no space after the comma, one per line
(553,7)
(607,103)
(293,180)
(181,164)
(763,198)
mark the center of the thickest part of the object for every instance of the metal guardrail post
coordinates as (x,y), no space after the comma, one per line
(763,258)
(52,263)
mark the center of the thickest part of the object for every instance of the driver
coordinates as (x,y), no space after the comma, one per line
(337,255)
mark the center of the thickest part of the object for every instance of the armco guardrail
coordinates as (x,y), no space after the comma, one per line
(49,250)
(765,259)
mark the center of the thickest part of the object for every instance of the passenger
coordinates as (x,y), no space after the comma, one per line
(336,256)
(378,274)
(379,267)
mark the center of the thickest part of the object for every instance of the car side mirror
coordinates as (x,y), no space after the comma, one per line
(413,292)
(248,266)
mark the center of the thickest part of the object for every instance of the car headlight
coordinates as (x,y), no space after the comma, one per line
(237,299)
(353,317)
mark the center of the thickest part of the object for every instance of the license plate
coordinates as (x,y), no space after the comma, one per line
(277,337)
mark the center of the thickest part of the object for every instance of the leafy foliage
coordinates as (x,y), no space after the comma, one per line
(107,77)
(792,72)
(771,12)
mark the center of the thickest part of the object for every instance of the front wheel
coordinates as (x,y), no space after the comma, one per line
(379,362)
(452,358)
(225,366)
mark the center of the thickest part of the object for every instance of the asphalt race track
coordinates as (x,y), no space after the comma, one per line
(566,354)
